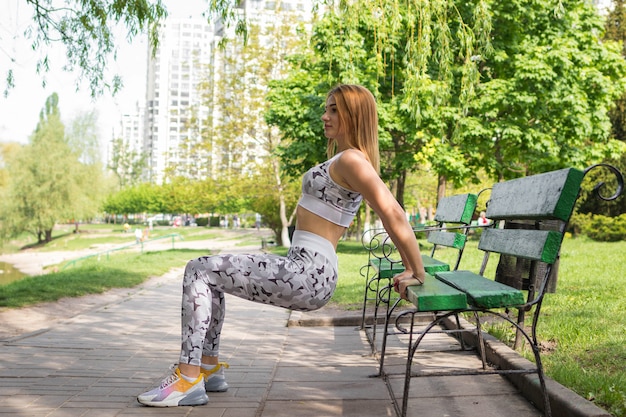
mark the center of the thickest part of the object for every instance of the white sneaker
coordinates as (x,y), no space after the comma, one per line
(176,391)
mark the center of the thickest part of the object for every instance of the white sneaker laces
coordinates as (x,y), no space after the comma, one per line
(170,380)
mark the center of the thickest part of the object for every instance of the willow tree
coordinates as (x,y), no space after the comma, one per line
(418,58)
(86,31)
(508,88)
(545,92)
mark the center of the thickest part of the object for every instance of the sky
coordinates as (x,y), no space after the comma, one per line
(19,111)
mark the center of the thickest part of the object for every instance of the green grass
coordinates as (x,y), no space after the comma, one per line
(94,277)
(584,319)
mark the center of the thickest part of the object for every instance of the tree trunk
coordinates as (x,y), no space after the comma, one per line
(284,235)
(441,188)
(401,181)
(48,235)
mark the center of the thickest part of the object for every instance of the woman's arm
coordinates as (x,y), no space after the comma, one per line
(359,175)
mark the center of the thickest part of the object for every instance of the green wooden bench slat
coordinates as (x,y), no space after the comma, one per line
(434,295)
(481,291)
(538,245)
(456,209)
(385,269)
(550,195)
(449,239)
(432,265)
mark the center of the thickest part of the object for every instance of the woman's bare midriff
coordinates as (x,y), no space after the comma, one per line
(313,223)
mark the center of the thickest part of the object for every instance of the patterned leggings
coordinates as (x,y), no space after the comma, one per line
(303,280)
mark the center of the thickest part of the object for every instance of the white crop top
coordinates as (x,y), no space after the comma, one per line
(329,200)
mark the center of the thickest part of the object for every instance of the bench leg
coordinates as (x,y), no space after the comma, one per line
(383,347)
(520,320)
(532,341)
(367,290)
(380,289)
(458,326)
(409,363)
(481,340)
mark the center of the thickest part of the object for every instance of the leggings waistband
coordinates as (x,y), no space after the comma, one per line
(315,243)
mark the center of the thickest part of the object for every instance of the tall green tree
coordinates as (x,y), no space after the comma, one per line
(53,178)
(384,48)
(126,163)
(82,137)
(508,88)
(545,93)
(615,26)
(41,183)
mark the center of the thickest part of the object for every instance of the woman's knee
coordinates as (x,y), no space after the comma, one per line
(203,269)
(192,270)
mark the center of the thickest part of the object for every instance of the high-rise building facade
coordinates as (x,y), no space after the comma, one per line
(185,95)
(240,77)
(174,113)
(132,129)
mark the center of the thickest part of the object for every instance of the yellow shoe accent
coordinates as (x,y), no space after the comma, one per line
(208,372)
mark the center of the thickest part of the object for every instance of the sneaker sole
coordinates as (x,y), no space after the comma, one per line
(213,385)
(199,398)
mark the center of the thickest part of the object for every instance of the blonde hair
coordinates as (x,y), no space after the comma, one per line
(358,118)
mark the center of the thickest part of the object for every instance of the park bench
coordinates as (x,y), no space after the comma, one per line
(452,217)
(524,213)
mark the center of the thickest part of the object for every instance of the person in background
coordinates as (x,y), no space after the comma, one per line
(305,278)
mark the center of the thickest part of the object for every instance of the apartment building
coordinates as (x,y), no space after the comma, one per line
(184,78)
(132,129)
(173,75)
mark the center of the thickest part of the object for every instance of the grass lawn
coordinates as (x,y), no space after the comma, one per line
(584,320)
(122,270)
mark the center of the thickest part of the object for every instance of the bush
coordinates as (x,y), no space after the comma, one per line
(605,229)
(578,223)
(202,221)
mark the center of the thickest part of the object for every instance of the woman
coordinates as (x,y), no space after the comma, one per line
(305,279)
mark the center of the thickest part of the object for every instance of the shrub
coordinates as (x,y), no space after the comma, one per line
(202,221)
(606,229)
(579,222)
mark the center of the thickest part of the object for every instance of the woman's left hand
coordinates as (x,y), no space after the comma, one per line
(402,281)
